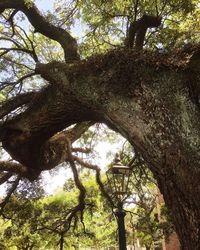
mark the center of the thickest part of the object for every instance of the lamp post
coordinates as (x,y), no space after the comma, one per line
(118,179)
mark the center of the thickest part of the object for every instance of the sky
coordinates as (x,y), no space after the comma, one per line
(44,4)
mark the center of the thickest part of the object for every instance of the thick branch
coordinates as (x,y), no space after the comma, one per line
(41,25)
(16,168)
(15,102)
(143,24)
(5,177)
(13,167)
(139,29)
(55,149)
(77,93)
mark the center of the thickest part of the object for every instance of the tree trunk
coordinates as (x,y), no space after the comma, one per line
(148,101)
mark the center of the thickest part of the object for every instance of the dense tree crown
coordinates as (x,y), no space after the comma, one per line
(132,65)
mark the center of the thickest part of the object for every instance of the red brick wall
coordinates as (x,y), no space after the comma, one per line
(173,243)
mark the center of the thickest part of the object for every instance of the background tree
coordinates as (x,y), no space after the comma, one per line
(43,220)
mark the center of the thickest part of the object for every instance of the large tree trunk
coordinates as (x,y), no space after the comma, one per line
(148,102)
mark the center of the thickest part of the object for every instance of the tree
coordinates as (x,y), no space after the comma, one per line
(149,97)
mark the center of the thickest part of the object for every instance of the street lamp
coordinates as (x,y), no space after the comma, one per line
(118,179)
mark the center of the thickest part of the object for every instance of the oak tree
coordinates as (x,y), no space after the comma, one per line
(141,85)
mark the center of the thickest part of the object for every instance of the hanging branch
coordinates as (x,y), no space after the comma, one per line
(82,191)
(98,177)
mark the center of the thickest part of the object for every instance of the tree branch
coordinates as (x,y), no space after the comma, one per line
(41,25)
(55,150)
(5,177)
(15,102)
(19,81)
(137,30)
(6,50)
(16,168)
(82,150)
(98,177)
(24,50)
(13,167)
(143,24)
(82,191)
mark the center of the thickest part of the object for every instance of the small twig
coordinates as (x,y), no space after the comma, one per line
(6,50)
(19,81)
(82,150)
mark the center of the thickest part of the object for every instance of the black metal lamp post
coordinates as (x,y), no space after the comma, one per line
(118,178)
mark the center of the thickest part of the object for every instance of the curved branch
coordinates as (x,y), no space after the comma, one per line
(22,42)
(82,191)
(143,24)
(98,177)
(6,50)
(44,27)
(137,30)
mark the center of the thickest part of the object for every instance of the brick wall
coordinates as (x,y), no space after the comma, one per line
(173,243)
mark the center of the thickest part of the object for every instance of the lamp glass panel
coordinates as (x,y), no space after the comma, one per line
(118,177)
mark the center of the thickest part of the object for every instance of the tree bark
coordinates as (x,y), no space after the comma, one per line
(144,97)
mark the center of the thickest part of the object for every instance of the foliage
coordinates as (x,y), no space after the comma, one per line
(41,220)
(106,23)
